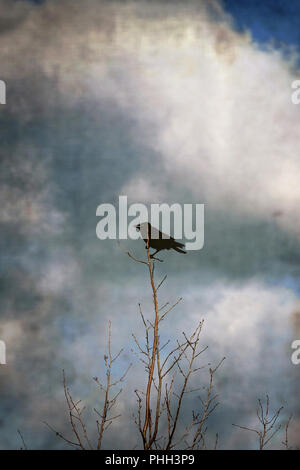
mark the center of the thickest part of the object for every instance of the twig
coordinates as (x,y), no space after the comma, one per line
(268,430)
(23,441)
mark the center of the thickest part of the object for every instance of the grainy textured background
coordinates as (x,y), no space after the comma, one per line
(163,102)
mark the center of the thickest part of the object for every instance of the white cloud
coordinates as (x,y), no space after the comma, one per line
(215,107)
(59,274)
(226,128)
(142,189)
(217,110)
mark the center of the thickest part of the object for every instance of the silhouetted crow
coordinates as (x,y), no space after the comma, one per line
(158,240)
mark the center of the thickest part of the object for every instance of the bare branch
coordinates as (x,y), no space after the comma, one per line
(268,429)
(22,439)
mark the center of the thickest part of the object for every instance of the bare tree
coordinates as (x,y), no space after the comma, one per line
(171,372)
(268,424)
(162,400)
(105,417)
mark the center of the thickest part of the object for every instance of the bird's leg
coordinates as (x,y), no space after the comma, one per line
(154,253)
(152,256)
(157,259)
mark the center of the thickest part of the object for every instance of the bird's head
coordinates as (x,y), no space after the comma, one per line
(143,228)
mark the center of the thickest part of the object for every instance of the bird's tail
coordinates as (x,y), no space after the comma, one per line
(179,250)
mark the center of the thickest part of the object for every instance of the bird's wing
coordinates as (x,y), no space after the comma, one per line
(157,234)
(181,245)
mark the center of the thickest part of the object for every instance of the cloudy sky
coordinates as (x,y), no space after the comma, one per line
(162,101)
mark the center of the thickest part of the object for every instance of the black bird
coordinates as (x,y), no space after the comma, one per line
(158,240)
